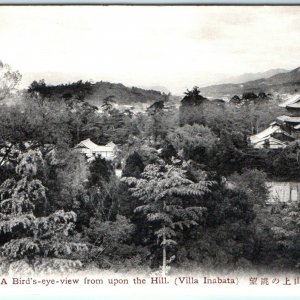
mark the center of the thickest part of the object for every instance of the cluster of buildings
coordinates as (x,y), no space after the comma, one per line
(279,134)
(283,130)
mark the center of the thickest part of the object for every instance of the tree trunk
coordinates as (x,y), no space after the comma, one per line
(6,154)
(164,247)
(77,132)
(164,254)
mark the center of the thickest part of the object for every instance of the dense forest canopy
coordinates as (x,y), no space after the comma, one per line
(192,194)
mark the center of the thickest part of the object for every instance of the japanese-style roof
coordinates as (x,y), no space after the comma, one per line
(294,105)
(274,123)
(292,100)
(275,141)
(271,140)
(289,119)
(273,128)
(88,144)
(110,144)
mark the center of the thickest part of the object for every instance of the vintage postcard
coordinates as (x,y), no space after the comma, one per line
(149,151)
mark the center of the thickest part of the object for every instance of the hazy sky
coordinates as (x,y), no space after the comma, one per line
(176,47)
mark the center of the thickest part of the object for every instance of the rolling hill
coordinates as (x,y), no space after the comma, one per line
(252,76)
(122,94)
(95,93)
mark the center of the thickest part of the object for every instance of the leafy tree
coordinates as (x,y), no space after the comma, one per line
(225,239)
(247,119)
(249,96)
(220,117)
(100,170)
(9,79)
(155,107)
(191,108)
(33,124)
(71,180)
(105,127)
(228,154)
(159,121)
(48,122)
(39,88)
(195,141)
(168,152)
(193,97)
(13,132)
(134,165)
(287,163)
(262,95)
(252,182)
(255,117)
(277,237)
(286,233)
(235,99)
(67,92)
(112,244)
(27,231)
(82,118)
(104,199)
(118,126)
(107,105)
(161,188)
(90,189)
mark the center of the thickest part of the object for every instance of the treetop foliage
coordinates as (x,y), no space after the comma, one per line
(9,80)
(193,97)
(30,235)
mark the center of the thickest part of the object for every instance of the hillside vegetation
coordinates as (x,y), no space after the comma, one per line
(95,93)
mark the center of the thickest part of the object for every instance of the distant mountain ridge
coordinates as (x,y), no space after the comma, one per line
(158,88)
(286,82)
(253,76)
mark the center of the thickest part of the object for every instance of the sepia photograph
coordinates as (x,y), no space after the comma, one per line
(149,145)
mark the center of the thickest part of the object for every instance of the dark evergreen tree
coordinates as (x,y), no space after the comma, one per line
(134,165)
(107,105)
(191,108)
